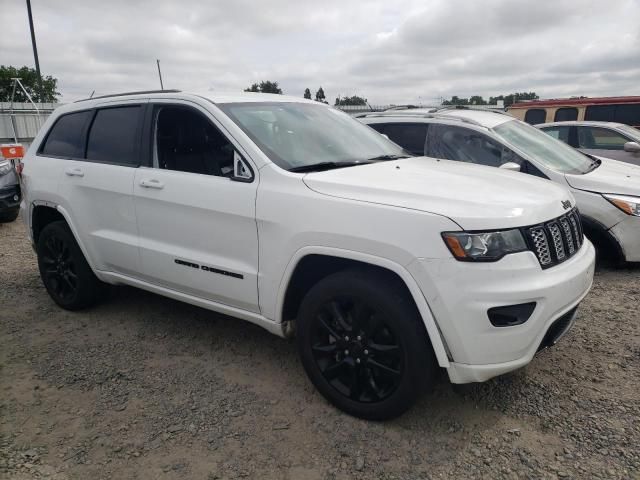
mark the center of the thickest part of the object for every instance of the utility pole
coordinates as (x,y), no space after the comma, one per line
(160,74)
(35,50)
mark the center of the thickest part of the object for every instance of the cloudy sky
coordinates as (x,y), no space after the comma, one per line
(388,51)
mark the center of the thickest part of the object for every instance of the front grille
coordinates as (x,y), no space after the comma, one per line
(556,241)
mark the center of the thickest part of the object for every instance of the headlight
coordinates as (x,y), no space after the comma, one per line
(629,205)
(5,167)
(484,247)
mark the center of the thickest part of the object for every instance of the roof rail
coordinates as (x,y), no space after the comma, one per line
(466,107)
(142,92)
(401,107)
(443,116)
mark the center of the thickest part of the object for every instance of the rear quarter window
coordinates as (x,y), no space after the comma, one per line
(66,137)
(535,116)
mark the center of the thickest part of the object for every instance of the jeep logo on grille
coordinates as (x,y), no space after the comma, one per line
(566,204)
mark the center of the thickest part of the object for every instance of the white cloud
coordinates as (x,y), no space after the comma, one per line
(387,51)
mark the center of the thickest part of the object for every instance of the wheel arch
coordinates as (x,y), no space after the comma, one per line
(606,244)
(43,213)
(311,264)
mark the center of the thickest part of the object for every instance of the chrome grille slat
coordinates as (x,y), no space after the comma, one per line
(557,240)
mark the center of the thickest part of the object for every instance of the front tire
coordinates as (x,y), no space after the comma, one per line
(65,272)
(363,344)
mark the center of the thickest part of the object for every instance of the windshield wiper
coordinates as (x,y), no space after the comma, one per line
(387,157)
(318,167)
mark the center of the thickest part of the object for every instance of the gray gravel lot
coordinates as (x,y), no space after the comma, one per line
(143,387)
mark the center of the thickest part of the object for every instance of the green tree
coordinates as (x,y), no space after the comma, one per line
(307,93)
(477,100)
(265,86)
(29,79)
(354,100)
(514,98)
(320,97)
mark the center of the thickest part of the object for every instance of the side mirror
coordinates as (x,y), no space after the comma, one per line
(512,166)
(632,147)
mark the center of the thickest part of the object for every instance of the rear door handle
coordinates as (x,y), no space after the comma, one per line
(152,183)
(74,172)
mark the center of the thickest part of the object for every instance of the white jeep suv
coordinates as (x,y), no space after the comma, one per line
(296,217)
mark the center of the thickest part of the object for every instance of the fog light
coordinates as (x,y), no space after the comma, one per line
(511,315)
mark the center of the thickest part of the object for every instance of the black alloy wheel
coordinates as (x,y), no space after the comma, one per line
(356,351)
(363,344)
(65,272)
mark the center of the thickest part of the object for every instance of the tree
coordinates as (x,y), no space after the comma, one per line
(307,93)
(354,100)
(514,98)
(29,79)
(477,100)
(265,86)
(320,97)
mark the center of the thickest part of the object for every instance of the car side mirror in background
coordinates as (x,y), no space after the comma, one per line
(513,166)
(632,147)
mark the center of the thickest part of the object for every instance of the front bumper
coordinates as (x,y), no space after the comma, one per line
(462,293)
(10,198)
(627,233)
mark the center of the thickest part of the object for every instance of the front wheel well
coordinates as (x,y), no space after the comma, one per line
(313,268)
(607,247)
(42,216)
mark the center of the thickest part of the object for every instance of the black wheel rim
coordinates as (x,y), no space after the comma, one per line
(58,268)
(356,351)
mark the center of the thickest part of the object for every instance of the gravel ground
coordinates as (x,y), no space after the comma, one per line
(143,387)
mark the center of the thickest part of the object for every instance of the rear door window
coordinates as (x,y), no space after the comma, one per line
(566,115)
(113,135)
(601,113)
(66,137)
(410,136)
(535,116)
(600,138)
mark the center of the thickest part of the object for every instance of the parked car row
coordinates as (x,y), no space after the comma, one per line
(385,264)
(607,192)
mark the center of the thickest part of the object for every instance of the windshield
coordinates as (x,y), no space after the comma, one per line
(634,133)
(296,135)
(543,148)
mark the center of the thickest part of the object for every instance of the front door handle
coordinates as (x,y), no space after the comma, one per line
(152,183)
(74,172)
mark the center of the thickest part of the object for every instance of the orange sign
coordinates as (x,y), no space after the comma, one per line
(12,150)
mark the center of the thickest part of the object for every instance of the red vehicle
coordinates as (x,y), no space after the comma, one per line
(602,109)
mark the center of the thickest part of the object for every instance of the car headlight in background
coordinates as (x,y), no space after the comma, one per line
(5,167)
(484,247)
(629,205)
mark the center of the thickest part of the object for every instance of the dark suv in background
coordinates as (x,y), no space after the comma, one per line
(9,192)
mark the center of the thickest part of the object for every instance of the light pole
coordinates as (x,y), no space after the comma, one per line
(35,50)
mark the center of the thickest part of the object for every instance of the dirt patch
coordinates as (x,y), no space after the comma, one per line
(144,387)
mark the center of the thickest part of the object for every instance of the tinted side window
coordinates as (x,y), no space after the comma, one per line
(566,114)
(561,133)
(378,127)
(535,115)
(457,143)
(187,141)
(66,137)
(603,113)
(600,138)
(410,136)
(113,135)
(629,114)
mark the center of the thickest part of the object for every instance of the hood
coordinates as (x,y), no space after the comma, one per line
(475,197)
(610,177)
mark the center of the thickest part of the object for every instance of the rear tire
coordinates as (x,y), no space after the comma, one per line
(65,272)
(363,344)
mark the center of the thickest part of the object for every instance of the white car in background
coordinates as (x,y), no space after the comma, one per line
(607,191)
(605,139)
